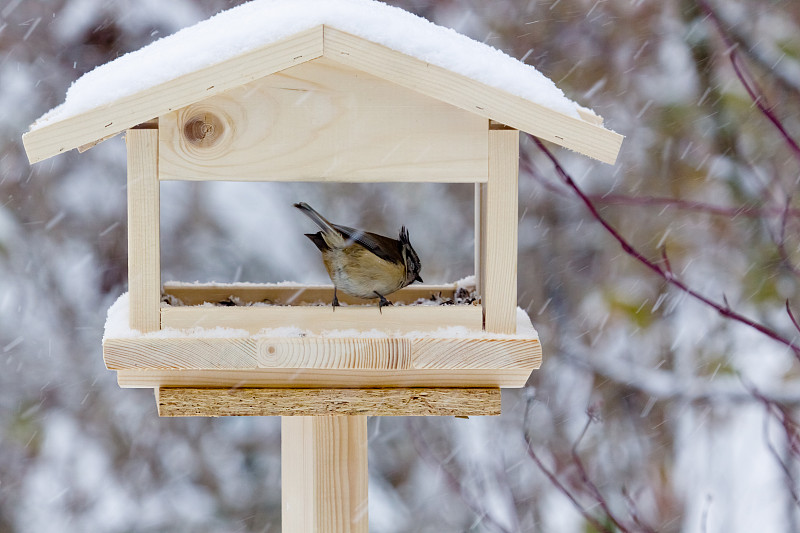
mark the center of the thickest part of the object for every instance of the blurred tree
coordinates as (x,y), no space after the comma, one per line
(652,411)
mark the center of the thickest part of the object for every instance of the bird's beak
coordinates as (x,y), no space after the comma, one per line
(417,278)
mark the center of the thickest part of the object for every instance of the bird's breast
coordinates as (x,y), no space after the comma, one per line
(360,273)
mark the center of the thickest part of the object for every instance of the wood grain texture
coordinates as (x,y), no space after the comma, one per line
(174,401)
(585,137)
(175,353)
(499,286)
(323,121)
(295,293)
(480,237)
(144,262)
(323,318)
(324,378)
(126,112)
(324,474)
(315,352)
(322,353)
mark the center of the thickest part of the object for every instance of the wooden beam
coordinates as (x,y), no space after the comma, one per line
(174,401)
(408,318)
(324,474)
(325,378)
(499,296)
(480,237)
(126,112)
(333,353)
(585,137)
(144,264)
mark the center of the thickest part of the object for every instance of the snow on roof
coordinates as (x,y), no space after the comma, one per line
(261,22)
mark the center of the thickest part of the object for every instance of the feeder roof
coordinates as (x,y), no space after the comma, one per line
(262,37)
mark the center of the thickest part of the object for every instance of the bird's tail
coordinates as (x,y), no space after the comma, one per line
(320,220)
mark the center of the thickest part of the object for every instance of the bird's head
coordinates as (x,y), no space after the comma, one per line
(410,258)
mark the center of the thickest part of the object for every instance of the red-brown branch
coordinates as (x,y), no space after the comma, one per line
(722,308)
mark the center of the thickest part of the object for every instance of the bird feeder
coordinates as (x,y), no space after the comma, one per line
(312,91)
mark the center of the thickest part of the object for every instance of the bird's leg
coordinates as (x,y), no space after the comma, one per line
(383,302)
(335,302)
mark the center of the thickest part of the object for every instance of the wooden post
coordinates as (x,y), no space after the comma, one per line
(499,241)
(144,265)
(480,235)
(324,474)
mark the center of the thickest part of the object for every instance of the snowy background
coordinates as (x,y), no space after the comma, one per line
(652,411)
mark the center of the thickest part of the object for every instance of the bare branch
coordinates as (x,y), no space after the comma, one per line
(791,316)
(746,79)
(424,450)
(596,524)
(628,248)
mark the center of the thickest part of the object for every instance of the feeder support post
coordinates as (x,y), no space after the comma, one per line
(324,474)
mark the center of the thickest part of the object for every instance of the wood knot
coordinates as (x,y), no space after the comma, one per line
(204,130)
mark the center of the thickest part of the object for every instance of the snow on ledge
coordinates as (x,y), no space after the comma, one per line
(260,22)
(118,327)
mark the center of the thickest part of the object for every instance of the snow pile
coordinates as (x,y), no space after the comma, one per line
(118,327)
(261,22)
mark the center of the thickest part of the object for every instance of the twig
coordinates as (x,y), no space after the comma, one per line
(649,201)
(595,492)
(791,316)
(755,93)
(452,480)
(596,524)
(790,428)
(667,275)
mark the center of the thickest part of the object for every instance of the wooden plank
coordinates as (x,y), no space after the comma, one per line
(325,378)
(129,111)
(480,236)
(585,137)
(324,474)
(144,264)
(294,293)
(323,121)
(316,319)
(388,353)
(199,353)
(175,401)
(433,353)
(499,296)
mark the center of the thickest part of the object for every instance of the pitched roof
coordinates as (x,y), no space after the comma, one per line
(266,36)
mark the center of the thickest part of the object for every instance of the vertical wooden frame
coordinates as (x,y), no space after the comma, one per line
(324,474)
(144,262)
(498,242)
(480,235)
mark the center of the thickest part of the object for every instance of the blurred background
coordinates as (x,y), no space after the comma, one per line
(653,411)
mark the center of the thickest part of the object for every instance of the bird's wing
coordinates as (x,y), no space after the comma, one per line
(384,247)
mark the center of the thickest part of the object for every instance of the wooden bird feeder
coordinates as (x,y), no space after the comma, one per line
(323,104)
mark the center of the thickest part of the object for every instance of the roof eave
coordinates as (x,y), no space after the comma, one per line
(584,135)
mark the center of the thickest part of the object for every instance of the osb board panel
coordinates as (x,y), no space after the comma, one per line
(323,121)
(173,401)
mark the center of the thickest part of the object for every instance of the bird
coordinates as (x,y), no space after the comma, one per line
(363,264)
